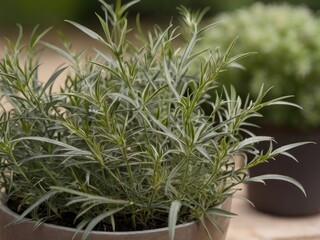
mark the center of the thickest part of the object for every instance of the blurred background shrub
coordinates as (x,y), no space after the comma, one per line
(31,12)
(287,41)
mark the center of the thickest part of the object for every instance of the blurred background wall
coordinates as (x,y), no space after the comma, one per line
(47,13)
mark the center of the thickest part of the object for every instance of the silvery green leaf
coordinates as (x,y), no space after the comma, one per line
(288,147)
(173,216)
(98,219)
(251,140)
(86,30)
(263,178)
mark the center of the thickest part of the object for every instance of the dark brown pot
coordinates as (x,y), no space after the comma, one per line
(27,231)
(282,198)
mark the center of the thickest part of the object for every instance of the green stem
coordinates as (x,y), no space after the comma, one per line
(131,179)
(18,166)
(185,174)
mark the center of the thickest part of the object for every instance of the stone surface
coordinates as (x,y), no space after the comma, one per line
(251,224)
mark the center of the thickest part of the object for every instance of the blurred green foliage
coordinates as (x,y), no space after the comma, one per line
(168,7)
(31,12)
(286,39)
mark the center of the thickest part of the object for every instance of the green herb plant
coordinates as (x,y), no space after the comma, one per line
(125,144)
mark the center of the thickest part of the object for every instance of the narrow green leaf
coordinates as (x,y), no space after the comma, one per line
(91,197)
(126,6)
(51,80)
(170,81)
(172,174)
(285,148)
(251,140)
(55,142)
(240,56)
(204,225)
(34,39)
(80,226)
(231,46)
(262,178)
(283,103)
(86,30)
(289,155)
(220,212)
(36,204)
(98,219)
(151,96)
(173,216)
(61,52)
(204,152)
(124,97)
(167,132)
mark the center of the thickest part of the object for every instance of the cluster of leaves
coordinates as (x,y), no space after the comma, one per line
(125,144)
(286,40)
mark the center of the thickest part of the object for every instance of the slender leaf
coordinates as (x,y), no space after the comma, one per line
(262,178)
(90,197)
(86,30)
(251,140)
(54,142)
(36,204)
(285,148)
(173,216)
(98,219)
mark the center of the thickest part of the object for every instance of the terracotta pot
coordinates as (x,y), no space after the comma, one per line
(282,198)
(27,231)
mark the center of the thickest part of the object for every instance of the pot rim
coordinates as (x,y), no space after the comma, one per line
(8,211)
(4,208)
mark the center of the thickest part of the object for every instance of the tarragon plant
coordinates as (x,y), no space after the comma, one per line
(125,144)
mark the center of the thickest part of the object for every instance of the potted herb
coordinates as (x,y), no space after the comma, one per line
(124,150)
(288,53)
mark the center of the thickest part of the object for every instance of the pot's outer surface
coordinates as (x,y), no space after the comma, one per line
(283,198)
(27,231)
